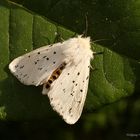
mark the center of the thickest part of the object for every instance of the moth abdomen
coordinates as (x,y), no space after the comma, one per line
(47,85)
(55,75)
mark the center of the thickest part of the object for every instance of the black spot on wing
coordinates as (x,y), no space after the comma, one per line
(87,77)
(16,66)
(21,67)
(44,56)
(39,68)
(24,75)
(71,94)
(70,110)
(79,102)
(64,90)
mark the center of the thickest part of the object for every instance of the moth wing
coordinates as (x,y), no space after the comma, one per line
(67,94)
(36,66)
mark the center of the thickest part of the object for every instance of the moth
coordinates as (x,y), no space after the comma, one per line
(63,69)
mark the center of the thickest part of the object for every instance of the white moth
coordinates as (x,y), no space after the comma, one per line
(63,70)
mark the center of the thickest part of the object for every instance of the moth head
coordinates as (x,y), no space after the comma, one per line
(86,45)
(85,41)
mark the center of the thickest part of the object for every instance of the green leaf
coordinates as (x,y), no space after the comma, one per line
(116,20)
(115,76)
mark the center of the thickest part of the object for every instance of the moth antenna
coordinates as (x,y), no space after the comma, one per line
(92,42)
(86,25)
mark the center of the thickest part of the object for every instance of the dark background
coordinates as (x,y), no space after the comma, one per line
(119,120)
